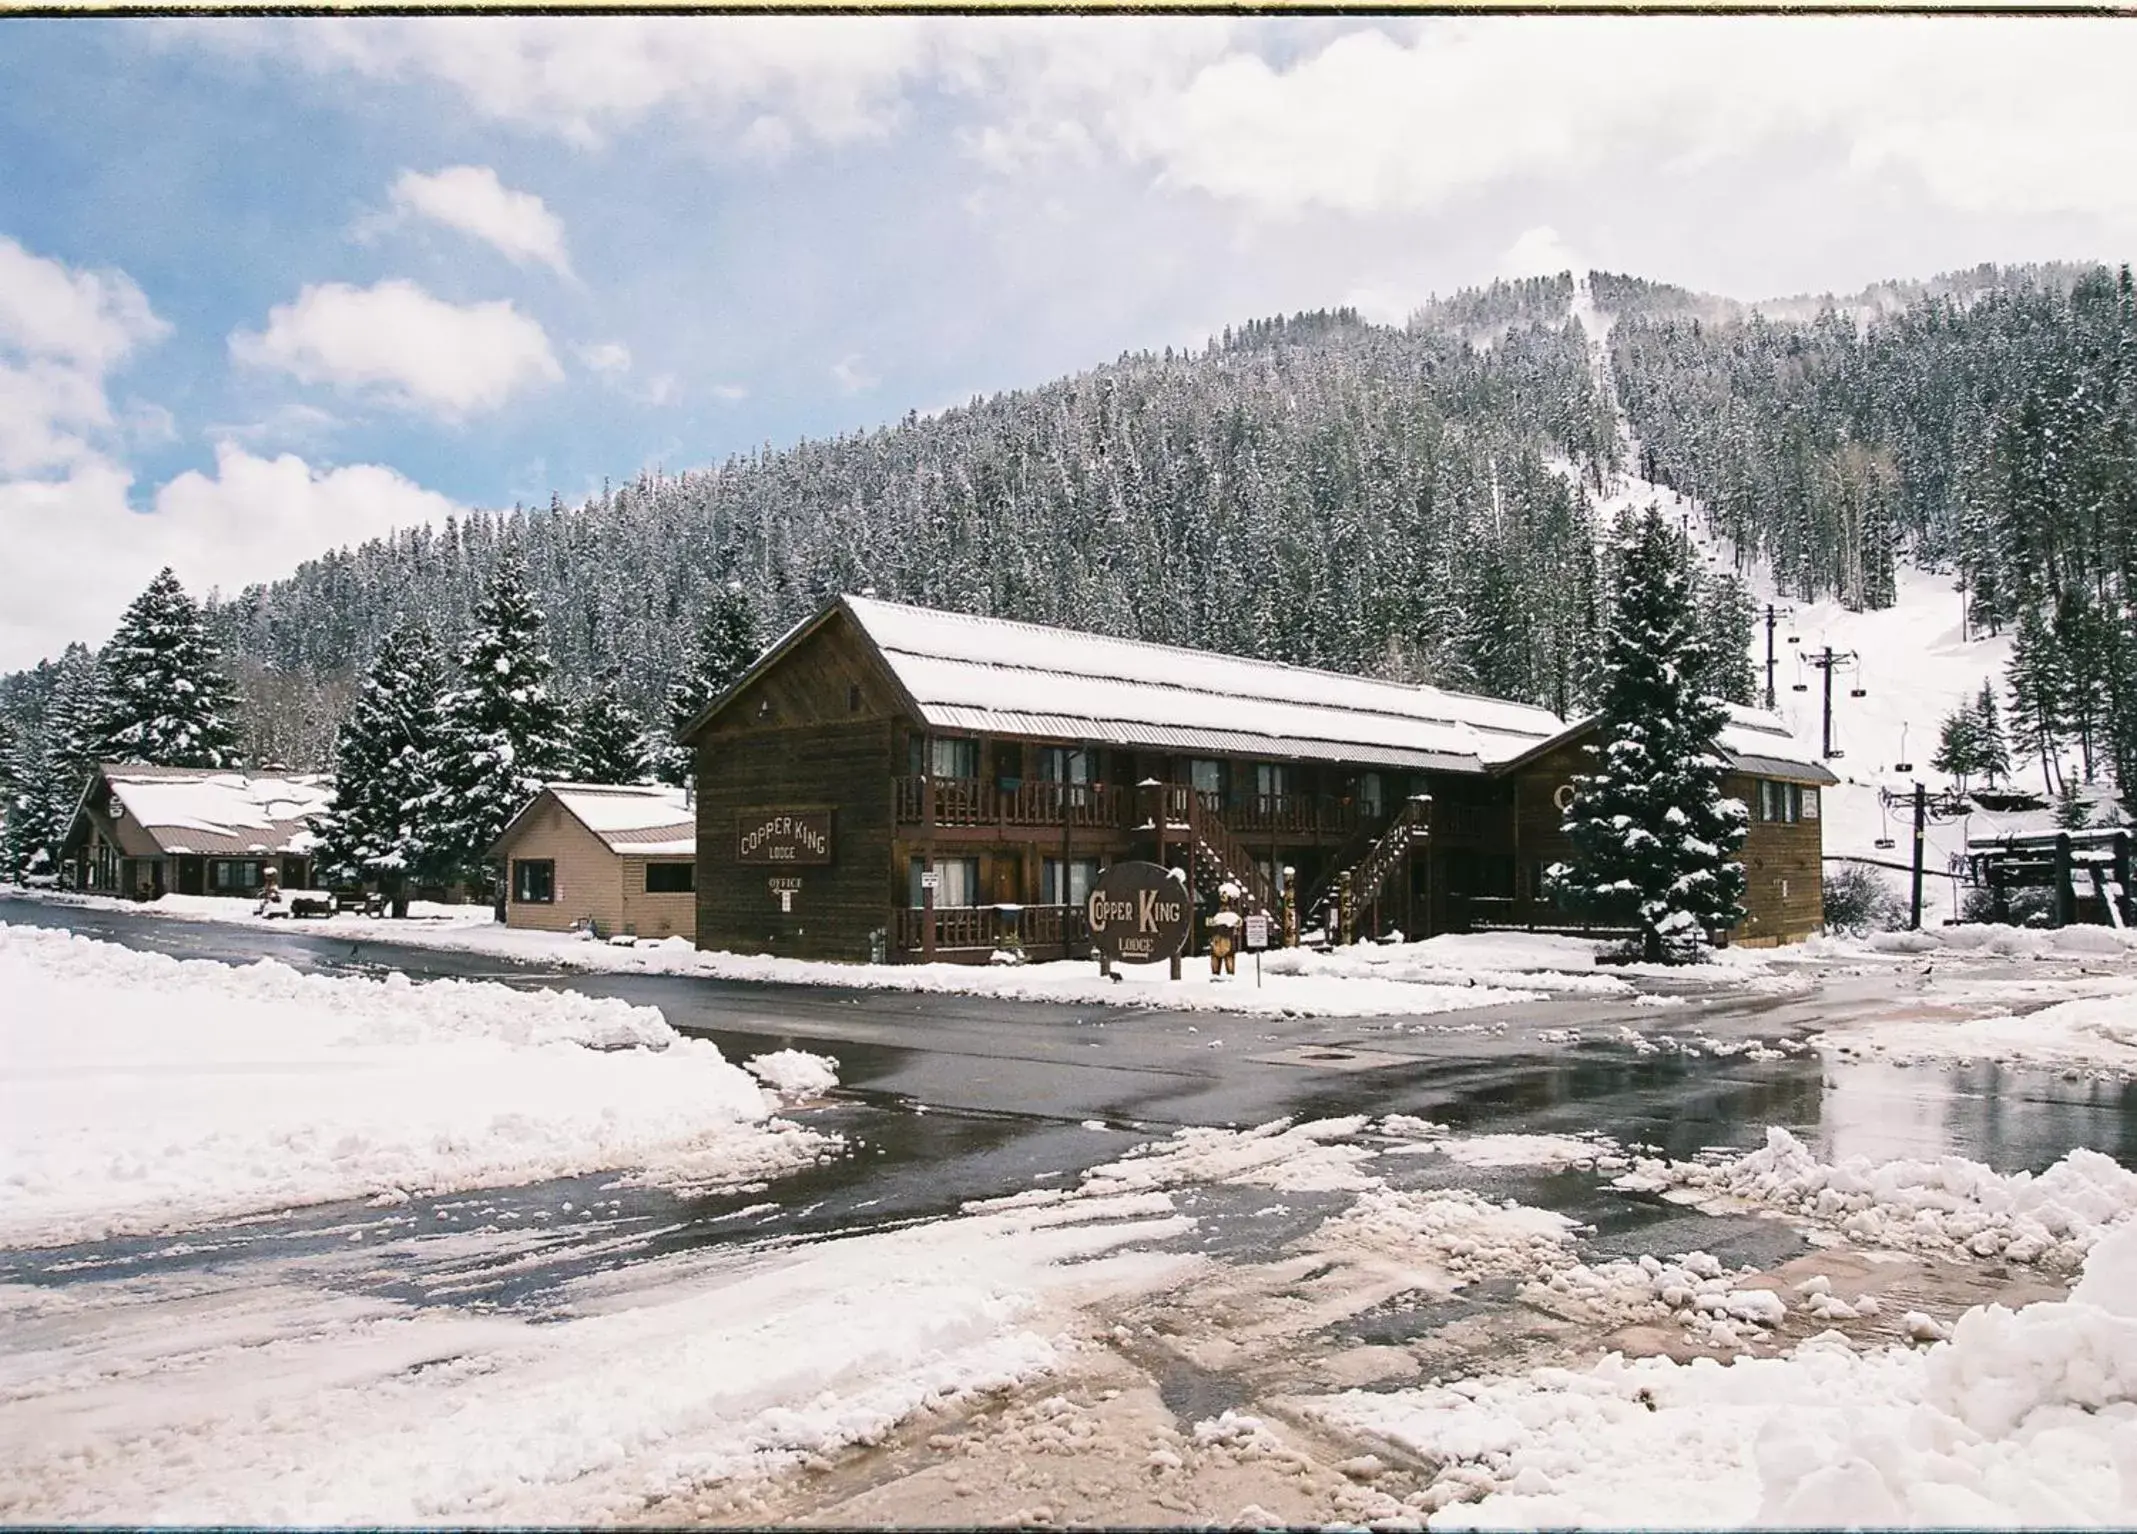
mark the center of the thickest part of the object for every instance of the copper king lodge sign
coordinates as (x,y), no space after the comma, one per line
(786,837)
(1139,913)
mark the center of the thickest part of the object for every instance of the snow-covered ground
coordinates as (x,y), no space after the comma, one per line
(2020,1417)
(300,1403)
(673,1388)
(140,1092)
(1444,974)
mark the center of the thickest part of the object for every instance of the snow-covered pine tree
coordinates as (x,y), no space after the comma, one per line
(2036,682)
(1727,617)
(1655,843)
(167,700)
(378,827)
(504,733)
(30,842)
(2072,813)
(608,738)
(1995,751)
(729,639)
(1959,745)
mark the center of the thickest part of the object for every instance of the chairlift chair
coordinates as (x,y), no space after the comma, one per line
(1903,766)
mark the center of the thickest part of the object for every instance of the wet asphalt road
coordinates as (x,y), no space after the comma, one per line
(945,1099)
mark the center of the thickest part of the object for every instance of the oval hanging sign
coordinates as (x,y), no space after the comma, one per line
(1139,913)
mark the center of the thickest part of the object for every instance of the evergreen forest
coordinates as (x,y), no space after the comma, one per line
(1416,502)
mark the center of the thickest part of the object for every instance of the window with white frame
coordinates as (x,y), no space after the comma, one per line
(956,882)
(1081,874)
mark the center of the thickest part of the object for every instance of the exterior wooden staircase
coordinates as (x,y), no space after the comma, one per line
(1218,856)
(1369,874)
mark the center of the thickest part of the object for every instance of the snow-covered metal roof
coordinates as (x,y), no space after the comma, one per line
(1762,745)
(1757,744)
(202,811)
(646,820)
(993,674)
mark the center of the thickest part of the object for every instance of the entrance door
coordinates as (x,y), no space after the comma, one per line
(1008,879)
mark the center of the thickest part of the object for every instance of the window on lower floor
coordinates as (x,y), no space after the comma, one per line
(534,881)
(671,878)
(956,882)
(1081,873)
(230,876)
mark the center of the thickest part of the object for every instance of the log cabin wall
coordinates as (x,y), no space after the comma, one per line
(813,732)
(1784,870)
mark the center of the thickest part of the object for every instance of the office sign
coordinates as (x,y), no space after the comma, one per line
(1139,913)
(783,836)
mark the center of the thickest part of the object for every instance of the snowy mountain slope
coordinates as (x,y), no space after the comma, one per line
(1912,667)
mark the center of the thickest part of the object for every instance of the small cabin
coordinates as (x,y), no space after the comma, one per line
(620,858)
(143,832)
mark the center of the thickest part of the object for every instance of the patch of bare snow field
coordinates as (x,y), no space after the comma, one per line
(142,1093)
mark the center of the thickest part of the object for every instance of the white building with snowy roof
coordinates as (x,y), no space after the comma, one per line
(616,858)
(143,831)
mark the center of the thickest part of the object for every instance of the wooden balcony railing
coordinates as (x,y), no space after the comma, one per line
(1290,815)
(985,802)
(1039,929)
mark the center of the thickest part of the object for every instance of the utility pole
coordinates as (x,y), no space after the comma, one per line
(1772,618)
(1921,817)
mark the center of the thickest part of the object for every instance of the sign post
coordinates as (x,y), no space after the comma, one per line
(1139,914)
(1257,936)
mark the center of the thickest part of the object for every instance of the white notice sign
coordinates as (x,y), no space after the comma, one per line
(1257,932)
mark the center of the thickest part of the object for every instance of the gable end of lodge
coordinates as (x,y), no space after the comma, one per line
(902,783)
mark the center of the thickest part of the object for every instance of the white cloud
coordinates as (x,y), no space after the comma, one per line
(257,518)
(79,552)
(818,80)
(92,320)
(730,393)
(398,341)
(605,357)
(850,376)
(62,331)
(471,199)
(1381,120)
(1539,252)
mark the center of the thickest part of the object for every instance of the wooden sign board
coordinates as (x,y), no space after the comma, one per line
(1139,913)
(783,836)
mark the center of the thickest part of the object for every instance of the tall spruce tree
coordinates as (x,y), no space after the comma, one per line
(167,700)
(1994,753)
(1655,842)
(2035,676)
(730,636)
(1959,745)
(34,827)
(379,825)
(608,737)
(504,733)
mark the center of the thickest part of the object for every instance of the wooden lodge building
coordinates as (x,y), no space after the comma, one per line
(143,832)
(898,782)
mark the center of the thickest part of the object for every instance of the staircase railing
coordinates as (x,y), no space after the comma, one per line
(1370,873)
(1219,855)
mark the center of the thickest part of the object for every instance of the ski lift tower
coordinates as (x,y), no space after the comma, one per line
(1829,660)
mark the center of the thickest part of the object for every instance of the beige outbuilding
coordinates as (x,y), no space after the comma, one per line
(619,856)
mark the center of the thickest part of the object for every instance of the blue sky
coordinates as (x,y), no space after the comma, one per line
(271,286)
